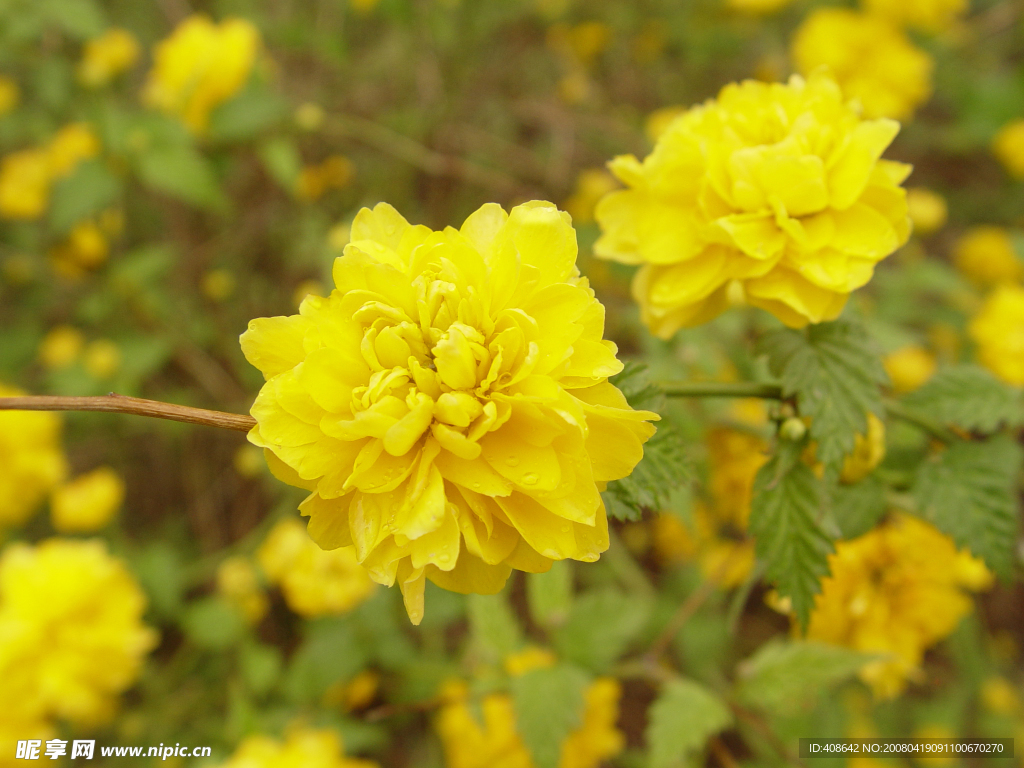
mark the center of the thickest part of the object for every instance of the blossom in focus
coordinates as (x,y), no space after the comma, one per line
(61,347)
(238,584)
(32,458)
(88,502)
(71,632)
(998,330)
(314,581)
(986,256)
(107,56)
(200,66)
(868,452)
(909,367)
(777,189)
(302,748)
(448,404)
(895,591)
(591,185)
(10,95)
(1008,146)
(927,15)
(872,60)
(927,210)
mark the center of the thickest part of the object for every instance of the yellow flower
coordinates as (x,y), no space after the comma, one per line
(102,359)
(309,116)
(107,56)
(909,367)
(659,120)
(32,458)
(70,146)
(998,695)
(757,6)
(61,347)
(363,6)
(580,44)
(927,210)
(71,631)
(10,95)
(927,15)
(986,256)
(530,658)
(302,748)
(895,591)
(777,189)
(313,581)
(470,743)
(238,583)
(15,726)
(591,186)
(868,452)
(735,457)
(998,330)
(201,65)
(872,60)
(88,502)
(448,404)
(673,540)
(333,173)
(85,248)
(1008,146)
(24,184)
(218,284)
(355,694)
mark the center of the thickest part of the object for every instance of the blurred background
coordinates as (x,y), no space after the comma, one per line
(173,168)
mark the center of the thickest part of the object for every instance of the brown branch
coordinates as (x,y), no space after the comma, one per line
(114,403)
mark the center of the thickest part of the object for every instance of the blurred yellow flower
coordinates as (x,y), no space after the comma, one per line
(24,184)
(448,404)
(580,43)
(530,658)
(868,452)
(358,692)
(70,146)
(309,116)
(659,120)
(102,359)
(927,15)
(200,66)
(61,347)
(314,180)
(314,581)
(775,188)
(306,288)
(85,248)
(248,461)
(909,367)
(1008,146)
(734,457)
(218,284)
(363,6)
(673,541)
(591,185)
(32,458)
(238,584)
(872,60)
(88,502)
(107,56)
(998,330)
(10,94)
(71,632)
(895,591)
(985,254)
(757,6)
(494,741)
(927,210)
(302,748)
(1000,696)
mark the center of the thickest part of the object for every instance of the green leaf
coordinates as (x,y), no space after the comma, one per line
(330,653)
(835,375)
(968,397)
(89,190)
(183,173)
(80,19)
(637,388)
(969,491)
(260,666)
(213,623)
(787,674)
(601,625)
(494,627)
(685,715)
(281,159)
(548,704)
(159,568)
(786,517)
(252,112)
(550,594)
(857,507)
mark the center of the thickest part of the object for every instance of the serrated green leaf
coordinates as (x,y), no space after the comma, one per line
(968,397)
(683,718)
(549,595)
(835,375)
(494,627)
(663,471)
(330,653)
(89,190)
(969,491)
(786,516)
(600,627)
(637,388)
(548,704)
(857,507)
(788,674)
(182,172)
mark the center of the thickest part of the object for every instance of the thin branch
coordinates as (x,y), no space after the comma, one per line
(114,403)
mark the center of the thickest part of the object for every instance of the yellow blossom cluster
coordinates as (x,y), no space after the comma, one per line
(872,60)
(239,584)
(895,592)
(303,747)
(986,256)
(313,581)
(927,209)
(71,635)
(107,56)
(998,330)
(1008,146)
(926,15)
(578,47)
(200,66)
(909,367)
(32,458)
(87,503)
(26,176)
(776,189)
(448,404)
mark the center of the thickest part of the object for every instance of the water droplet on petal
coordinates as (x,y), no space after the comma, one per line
(530,478)
(512,461)
(566,528)
(444,558)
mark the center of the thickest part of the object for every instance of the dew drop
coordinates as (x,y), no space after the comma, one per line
(566,528)
(444,558)
(512,461)
(476,485)
(530,478)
